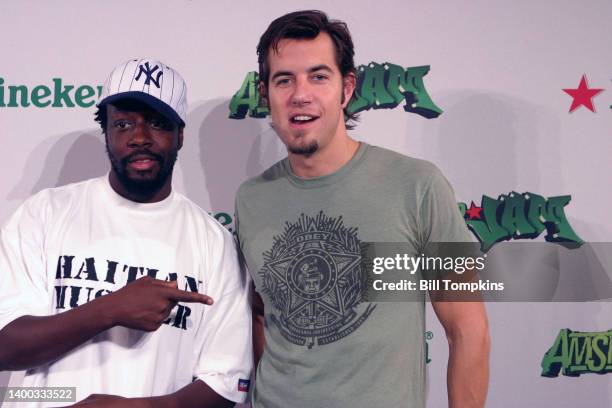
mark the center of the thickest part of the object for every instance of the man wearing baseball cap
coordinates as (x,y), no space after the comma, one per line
(119,286)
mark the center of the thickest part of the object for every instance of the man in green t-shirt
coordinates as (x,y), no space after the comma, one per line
(300,225)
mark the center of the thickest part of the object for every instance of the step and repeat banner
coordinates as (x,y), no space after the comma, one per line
(512,101)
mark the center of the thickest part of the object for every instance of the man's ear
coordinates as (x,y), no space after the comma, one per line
(348,88)
(263,95)
(180,138)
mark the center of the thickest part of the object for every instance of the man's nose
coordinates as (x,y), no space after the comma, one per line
(302,92)
(140,136)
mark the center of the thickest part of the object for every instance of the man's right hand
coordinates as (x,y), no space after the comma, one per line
(144,304)
(147,302)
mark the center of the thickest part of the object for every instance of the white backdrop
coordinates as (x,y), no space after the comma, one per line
(497,70)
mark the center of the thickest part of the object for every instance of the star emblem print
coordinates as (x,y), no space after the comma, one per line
(582,96)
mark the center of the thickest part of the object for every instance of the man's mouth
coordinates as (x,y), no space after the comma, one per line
(303,119)
(142,162)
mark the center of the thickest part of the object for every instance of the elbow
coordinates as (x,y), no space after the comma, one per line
(475,334)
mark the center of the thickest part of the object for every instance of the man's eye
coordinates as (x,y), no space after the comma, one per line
(122,124)
(283,82)
(160,123)
(319,77)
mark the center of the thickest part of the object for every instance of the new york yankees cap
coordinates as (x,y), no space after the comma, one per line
(149,81)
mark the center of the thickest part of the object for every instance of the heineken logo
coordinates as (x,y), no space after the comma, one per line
(519,216)
(379,86)
(55,95)
(574,353)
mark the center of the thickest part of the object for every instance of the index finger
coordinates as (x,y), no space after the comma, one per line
(190,297)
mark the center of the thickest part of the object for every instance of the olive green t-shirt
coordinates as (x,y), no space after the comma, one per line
(325,347)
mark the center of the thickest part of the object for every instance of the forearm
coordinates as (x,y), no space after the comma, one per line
(195,395)
(29,341)
(468,368)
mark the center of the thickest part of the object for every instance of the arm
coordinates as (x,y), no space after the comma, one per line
(196,395)
(259,339)
(466,327)
(144,304)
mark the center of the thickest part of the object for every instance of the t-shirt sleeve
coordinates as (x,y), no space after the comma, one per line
(23,279)
(439,217)
(226,358)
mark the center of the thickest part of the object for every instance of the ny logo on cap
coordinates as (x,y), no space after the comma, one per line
(148,71)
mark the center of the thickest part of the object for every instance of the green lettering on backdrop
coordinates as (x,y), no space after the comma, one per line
(575,353)
(379,86)
(39,93)
(246,100)
(520,216)
(21,90)
(41,96)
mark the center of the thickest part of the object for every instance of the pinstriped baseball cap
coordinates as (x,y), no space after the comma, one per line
(149,81)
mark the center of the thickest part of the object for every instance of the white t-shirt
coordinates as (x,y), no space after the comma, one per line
(66,246)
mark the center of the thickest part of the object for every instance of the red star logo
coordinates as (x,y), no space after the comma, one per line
(583,95)
(474,212)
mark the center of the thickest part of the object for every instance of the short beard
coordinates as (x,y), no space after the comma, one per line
(307,151)
(142,188)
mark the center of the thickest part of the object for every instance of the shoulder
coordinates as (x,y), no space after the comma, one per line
(403,163)
(51,200)
(256,184)
(201,220)
(403,170)
(65,192)
(43,208)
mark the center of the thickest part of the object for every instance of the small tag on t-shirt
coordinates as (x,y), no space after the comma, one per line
(243,385)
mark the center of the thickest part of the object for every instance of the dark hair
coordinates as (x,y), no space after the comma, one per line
(100,117)
(308,24)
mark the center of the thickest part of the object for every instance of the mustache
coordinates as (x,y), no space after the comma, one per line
(142,153)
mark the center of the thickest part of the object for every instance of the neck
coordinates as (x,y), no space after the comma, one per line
(148,195)
(326,160)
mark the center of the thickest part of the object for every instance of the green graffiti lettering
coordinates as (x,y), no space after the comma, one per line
(576,353)
(598,350)
(399,85)
(462,208)
(557,225)
(578,346)
(514,216)
(488,231)
(385,86)
(247,99)
(422,103)
(521,216)
(557,356)
(371,87)
(536,212)
(378,86)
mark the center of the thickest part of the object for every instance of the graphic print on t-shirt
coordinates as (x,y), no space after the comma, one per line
(312,275)
(93,269)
